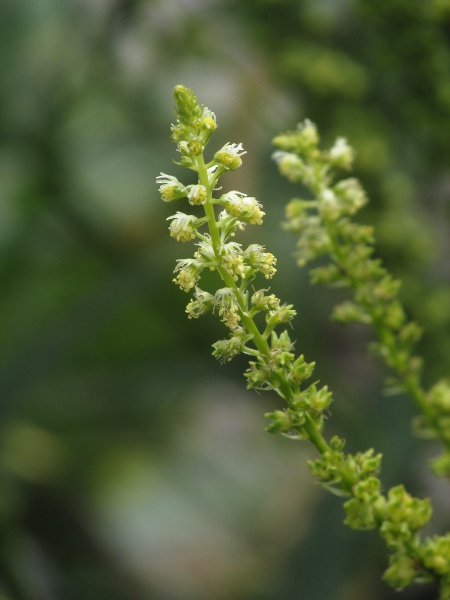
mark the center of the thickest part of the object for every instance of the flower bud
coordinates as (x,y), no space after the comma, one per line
(401,571)
(330,206)
(441,465)
(281,421)
(186,104)
(303,140)
(439,397)
(292,167)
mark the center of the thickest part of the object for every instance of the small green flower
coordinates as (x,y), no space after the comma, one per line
(441,465)
(226,350)
(205,253)
(188,270)
(351,195)
(265,303)
(170,188)
(226,300)
(302,370)
(439,396)
(243,207)
(304,139)
(200,304)
(256,257)
(330,207)
(401,572)
(280,314)
(327,468)
(233,260)
(435,552)
(230,156)
(360,514)
(196,194)
(208,120)
(293,167)
(404,516)
(183,227)
(341,154)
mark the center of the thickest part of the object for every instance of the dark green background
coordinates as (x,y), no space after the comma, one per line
(133,465)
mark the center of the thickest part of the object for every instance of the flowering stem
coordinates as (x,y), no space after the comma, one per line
(389,338)
(325,227)
(208,206)
(397,515)
(260,340)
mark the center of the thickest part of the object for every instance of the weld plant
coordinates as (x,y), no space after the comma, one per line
(324,226)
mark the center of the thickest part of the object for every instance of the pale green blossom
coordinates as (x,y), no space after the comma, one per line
(341,154)
(196,194)
(230,156)
(170,188)
(244,207)
(182,227)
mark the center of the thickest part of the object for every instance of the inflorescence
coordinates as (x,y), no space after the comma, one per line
(397,515)
(324,227)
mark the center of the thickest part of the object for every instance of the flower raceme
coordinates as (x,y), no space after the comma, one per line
(236,266)
(274,366)
(216,251)
(325,229)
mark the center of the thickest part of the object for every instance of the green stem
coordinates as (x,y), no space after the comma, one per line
(208,206)
(315,436)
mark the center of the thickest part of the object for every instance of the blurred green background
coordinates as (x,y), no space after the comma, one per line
(133,466)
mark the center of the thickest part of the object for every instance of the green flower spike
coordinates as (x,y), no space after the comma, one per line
(325,229)
(274,366)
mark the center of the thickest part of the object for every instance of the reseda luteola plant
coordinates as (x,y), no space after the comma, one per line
(397,515)
(325,228)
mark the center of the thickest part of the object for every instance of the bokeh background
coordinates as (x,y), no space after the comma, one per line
(133,466)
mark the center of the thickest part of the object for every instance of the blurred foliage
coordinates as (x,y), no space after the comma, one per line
(132,465)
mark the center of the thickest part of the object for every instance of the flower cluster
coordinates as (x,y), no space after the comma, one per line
(398,516)
(195,123)
(435,554)
(323,223)
(275,365)
(235,264)
(324,227)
